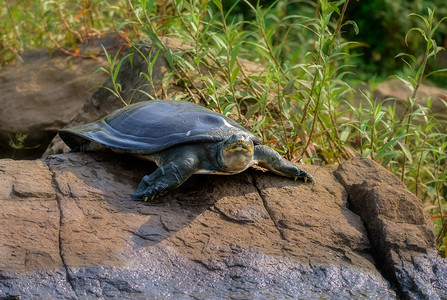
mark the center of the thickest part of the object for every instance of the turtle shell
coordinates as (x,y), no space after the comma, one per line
(152,126)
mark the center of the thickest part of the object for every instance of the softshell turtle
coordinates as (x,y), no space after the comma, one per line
(182,139)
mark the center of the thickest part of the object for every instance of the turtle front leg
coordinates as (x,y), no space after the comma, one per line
(167,177)
(268,158)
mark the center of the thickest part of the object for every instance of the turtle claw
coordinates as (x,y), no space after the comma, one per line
(305,177)
(146,196)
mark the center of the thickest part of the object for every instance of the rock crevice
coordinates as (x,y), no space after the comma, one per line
(65,267)
(269,211)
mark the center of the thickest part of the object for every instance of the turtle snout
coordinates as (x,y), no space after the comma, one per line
(236,153)
(239,143)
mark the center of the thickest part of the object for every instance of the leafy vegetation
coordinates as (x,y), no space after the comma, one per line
(389,20)
(303,103)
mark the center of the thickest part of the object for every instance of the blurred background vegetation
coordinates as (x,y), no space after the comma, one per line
(323,59)
(382,25)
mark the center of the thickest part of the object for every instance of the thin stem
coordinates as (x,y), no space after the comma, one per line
(317,105)
(410,109)
(443,230)
(64,20)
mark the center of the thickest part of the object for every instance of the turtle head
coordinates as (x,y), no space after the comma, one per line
(236,153)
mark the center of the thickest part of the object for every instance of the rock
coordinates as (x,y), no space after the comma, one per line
(42,93)
(401,235)
(69,230)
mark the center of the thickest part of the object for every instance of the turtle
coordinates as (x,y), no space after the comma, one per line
(183,139)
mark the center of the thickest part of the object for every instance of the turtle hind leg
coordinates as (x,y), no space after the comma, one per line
(167,177)
(268,158)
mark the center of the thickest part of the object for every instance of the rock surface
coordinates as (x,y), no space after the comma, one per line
(42,93)
(69,230)
(402,243)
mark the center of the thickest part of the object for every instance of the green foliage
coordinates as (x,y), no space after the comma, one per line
(17,142)
(113,71)
(26,24)
(302,103)
(383,26)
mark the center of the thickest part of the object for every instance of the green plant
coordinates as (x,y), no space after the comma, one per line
(18,143)
(113,71)
(412,134)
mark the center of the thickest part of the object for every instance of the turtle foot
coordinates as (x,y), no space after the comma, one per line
(149,189)
(150,194)
(164,179)
(304,176)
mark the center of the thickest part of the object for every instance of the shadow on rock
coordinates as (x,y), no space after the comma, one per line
(100,219)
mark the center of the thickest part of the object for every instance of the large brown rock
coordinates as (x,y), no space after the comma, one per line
(44,91)
(68,223)
(69,229)
(401,235)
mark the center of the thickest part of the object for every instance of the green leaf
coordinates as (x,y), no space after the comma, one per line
(152,62)
(383,151)
(379,118)
(169,58)
(148,78)
(218,4)
(405,82)
(388,157)
(234,74)
(289,87)
(154,38)
(437,25)
(436,72)
(122,24)
(100,69)
(118,66)
(107,55)
(345,134)
(231,8)
(110,90)
(427,23)
(354,25)
(406,151)
(334,6)
(418,30)
(234,54)
(227,109)
(145,93)
(407,55)
(150,6)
